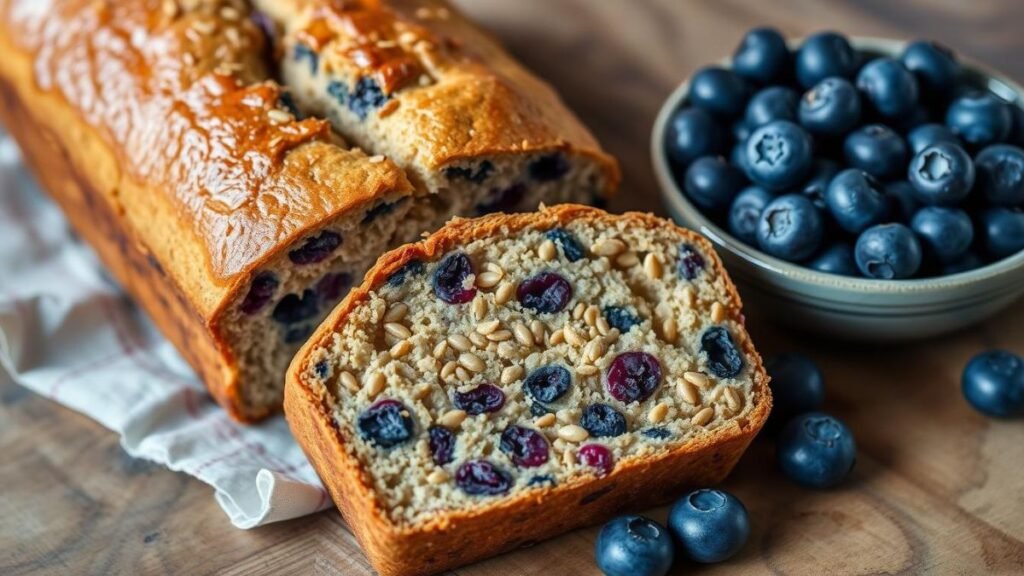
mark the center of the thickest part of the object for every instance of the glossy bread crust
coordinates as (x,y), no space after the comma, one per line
(459,538)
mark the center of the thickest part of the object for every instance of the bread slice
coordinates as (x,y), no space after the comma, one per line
(513,377)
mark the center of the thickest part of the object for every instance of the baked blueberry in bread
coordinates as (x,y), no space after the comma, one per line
(515,376)
(237,210)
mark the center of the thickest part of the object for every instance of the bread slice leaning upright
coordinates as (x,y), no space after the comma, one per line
(513,377)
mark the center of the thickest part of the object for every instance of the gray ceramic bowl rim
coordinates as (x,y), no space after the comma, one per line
(674,196)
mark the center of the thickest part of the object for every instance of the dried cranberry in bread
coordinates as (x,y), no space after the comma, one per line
(236,220)
(513,377)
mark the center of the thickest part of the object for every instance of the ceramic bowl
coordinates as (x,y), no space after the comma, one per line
(843,307)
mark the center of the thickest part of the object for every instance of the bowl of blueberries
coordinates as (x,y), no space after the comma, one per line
(863,188)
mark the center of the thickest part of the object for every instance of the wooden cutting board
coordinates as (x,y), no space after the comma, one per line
(937,488)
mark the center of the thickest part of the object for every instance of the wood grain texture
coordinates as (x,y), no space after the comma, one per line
(937,487)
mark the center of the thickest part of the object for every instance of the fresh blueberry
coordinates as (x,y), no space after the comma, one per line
(484,398)
(622,319)
(712,183)
(790,227)
(830,108)
(546,292)
(816,450)
(941,174)
(1000,174)
(902,199)
(927,134)
(993,382)
(762,56)
(779,155)
(889,87)
(316,249)
(836,259)
(877,150)
(571,248)
(935,68)
(293,309)
(918,116)
(856,200)
(888,252)
(442,445)
(410,268)
(718,91)
(741,130)
(724,360)
(526,447)
(451,278)
(823,55)
(797,386)
(693,133)
(769,104)
(738,155)
(709,525)
(816,184)
(386,423)
(633,377)
(691,262)
(482,478)
(260,293)
(549,167)
(746,211)
(1002,231)
(597,456)
(602,420)
(979,118)
(547,383)
(634,546)
(969,261)
(1016,136)
(945,233)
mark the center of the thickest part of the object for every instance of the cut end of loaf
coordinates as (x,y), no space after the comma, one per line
(518,354)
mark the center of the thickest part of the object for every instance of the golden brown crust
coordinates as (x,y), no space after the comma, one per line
(481,102)
(462,537)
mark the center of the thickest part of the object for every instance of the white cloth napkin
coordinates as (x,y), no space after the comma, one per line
(69,333)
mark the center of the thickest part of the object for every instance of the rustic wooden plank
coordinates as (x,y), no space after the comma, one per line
(937,487)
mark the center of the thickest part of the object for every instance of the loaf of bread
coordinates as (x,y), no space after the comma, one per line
(513,377)
(191,143)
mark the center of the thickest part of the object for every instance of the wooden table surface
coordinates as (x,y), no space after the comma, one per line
(937,488)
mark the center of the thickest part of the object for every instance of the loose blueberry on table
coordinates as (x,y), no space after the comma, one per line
(912,167)
(634,546)
(993,383)
(709,525)
(816,450)
(797,386)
